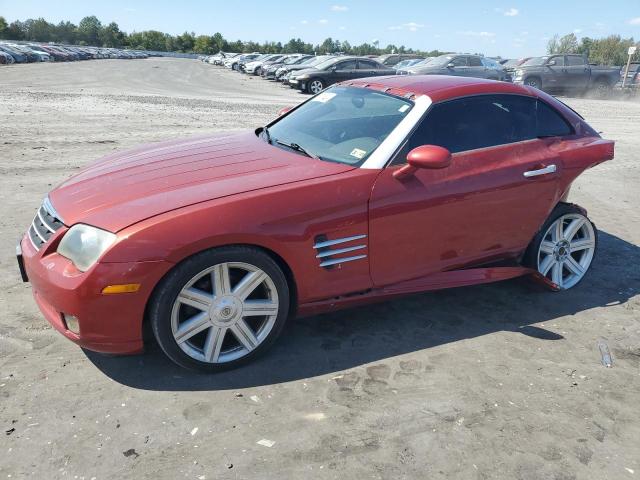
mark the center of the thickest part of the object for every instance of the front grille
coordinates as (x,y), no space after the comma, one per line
(44,225)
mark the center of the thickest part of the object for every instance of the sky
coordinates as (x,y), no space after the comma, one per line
(493,27)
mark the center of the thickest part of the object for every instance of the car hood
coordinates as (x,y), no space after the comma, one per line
(127,187)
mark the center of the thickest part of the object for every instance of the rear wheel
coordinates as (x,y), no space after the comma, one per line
(220,308)
(602,88)
(565,246)
(315,86)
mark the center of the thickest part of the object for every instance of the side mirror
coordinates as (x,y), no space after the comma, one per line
(425,156)
(450,65)
(334,69)
(284,110)
(551,63)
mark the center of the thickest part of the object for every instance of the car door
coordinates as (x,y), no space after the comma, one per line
(577,72)
(367,68)
(477,69)
(480,208)
(555,75)
(343,71)
(458,66)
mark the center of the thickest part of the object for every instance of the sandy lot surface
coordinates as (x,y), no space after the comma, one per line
(496,381)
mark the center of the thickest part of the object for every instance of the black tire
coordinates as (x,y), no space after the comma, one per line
(533,82)
(530,258)
(602,88)
(165,294)
(315,81)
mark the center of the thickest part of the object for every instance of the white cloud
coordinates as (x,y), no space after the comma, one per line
(323,21)
(343,28)
(577,30)
(471,33)
(508,12)
(634,21)
(304,22)
(339,8)
(411,26)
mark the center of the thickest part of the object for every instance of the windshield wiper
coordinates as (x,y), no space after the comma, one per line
(298,148)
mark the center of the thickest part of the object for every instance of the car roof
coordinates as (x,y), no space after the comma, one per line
(438,87)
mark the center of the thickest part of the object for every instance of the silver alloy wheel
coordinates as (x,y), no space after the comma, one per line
(315,87)
(566,250)
(224,312)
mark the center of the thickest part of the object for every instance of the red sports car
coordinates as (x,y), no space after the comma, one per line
(373,188)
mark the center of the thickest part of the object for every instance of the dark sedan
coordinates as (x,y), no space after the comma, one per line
(462,66)
(338,69)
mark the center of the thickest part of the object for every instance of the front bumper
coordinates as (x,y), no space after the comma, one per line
(107,323)
(299,84)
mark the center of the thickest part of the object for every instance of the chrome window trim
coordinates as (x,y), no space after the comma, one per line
(385,151)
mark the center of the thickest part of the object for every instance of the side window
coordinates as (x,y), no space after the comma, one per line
(367,65)
(559,60)
(550,123)
(459,62)
(575,60)
(348,65)
(475,122)
(475,62)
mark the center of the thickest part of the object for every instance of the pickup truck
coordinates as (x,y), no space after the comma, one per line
(566,73)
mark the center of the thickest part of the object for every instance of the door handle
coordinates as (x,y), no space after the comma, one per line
(542,171)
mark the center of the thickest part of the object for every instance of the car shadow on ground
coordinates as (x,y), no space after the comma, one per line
(342,340)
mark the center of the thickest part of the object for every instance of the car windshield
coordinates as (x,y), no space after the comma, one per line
(535,61)
(291,60)
(341,124)
(328,62)
(441,60)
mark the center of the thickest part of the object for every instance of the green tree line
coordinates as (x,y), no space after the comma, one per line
(611,50)
(91,31)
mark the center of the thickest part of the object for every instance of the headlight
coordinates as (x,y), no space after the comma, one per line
(519,73)
(304,76)
(83,245)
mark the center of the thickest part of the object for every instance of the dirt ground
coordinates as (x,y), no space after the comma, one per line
(496,381)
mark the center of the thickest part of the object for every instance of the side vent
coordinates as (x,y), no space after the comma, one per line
(330,256)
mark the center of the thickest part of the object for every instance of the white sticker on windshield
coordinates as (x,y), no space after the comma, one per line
(403,108)
(356,152)
(324,97)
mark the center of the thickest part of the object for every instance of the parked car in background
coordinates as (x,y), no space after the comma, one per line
(233,62)
(315,79)
(6,58)
(462,65)
(393,59)
(563,73)
(407,63)
(408,70)
(269,72)
(249,66)
(18,56)
(283,72)
(632,81)
(492,64)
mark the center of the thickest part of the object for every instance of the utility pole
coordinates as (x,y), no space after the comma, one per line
(631,51)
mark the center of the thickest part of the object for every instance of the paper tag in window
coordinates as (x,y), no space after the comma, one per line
(403,108)
(356,152)
(324,97)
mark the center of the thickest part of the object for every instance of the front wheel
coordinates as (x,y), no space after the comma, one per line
(220,308)
(315,86)
(533,82)
(565,246)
